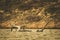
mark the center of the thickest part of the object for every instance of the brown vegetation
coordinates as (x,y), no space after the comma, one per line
(32,14)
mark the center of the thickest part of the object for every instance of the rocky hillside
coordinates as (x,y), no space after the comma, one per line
(30,13)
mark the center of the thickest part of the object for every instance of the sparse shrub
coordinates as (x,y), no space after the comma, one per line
(33,18)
